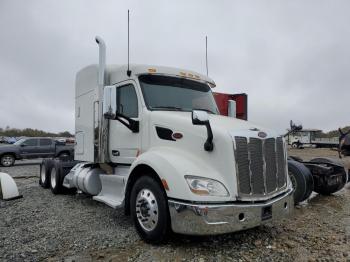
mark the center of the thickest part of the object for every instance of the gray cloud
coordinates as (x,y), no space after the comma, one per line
(291,57)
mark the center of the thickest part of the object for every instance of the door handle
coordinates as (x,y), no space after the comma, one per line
(115,153)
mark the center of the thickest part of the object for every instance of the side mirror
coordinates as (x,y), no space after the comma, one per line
(109,102)
(199,117)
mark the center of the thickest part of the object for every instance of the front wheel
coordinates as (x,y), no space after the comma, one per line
(7,160)
(149,210)
(301,179)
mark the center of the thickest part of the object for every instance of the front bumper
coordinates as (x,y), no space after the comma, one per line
(211,219)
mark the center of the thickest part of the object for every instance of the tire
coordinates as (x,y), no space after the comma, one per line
(7,160)
(64,156)
(302,180)
(295,145)
(56,179)
(45,170)
(295,158)
(149,210)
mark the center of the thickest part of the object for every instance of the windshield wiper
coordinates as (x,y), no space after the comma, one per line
(173,108)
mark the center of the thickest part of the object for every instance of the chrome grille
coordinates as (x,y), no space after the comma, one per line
(256,166)
(270,162)
(260,165)
(243,164)
(280,162)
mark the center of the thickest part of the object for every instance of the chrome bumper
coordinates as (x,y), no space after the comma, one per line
(211,219)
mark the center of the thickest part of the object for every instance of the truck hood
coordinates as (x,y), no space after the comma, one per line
(219,123)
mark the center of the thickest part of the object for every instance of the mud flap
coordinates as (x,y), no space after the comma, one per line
(8,188)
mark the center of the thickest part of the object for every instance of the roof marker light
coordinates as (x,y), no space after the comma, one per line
(152,70)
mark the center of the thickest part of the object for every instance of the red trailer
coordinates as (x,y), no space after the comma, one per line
(241,107)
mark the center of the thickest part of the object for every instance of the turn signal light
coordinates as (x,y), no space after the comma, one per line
(165,184)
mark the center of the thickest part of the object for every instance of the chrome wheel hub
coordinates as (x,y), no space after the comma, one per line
(147,209)
(53,177)
(7,161)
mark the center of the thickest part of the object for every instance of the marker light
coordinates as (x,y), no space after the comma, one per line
(152,70)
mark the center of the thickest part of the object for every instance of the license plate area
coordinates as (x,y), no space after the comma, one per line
(266,213)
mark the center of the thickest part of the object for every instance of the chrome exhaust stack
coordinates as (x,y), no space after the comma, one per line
(102,61)
(101,132)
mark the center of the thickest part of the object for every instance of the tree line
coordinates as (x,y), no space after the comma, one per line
(333,133)
(29,132)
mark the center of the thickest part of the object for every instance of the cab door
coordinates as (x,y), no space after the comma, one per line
(124,144)
(29,148)
(47,147)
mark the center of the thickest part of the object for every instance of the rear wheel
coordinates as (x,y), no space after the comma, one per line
(63,155)
(7,160)
(149,210)
(45,170)
(301,179)
(56,179)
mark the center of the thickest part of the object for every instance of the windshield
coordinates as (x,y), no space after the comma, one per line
(19,141)
(176,94)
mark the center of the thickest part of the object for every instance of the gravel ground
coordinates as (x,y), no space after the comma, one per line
(41,226)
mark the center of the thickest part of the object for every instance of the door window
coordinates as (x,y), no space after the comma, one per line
(127,101)
(45,142)
(31,142)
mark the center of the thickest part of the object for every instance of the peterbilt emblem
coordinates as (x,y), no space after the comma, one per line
(262,134)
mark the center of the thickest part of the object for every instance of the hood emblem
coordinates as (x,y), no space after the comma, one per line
(262,134)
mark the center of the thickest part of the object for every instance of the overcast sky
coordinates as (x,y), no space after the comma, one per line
(291,57)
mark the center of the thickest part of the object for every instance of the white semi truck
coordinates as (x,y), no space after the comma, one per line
(150,139)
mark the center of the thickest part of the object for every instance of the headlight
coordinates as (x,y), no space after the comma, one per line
(206,187)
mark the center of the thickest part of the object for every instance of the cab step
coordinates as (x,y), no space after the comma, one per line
(112,193)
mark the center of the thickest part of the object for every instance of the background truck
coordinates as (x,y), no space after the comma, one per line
(309,138)
(151,139)
(34,147)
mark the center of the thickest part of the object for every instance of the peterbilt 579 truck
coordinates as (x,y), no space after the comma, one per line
(150,139)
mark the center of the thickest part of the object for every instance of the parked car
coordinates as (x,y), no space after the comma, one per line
(33,147)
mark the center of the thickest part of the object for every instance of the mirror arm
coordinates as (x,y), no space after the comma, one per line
(208,145)
(133,125)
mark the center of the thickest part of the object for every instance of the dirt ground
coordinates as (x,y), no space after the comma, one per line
(42,226)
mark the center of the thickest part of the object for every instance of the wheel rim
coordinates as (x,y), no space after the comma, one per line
(53,178)
(147,209)
(7,160)
(294,182)
(42,174)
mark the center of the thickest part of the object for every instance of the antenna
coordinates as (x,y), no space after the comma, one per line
(128,72)
(206,53)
